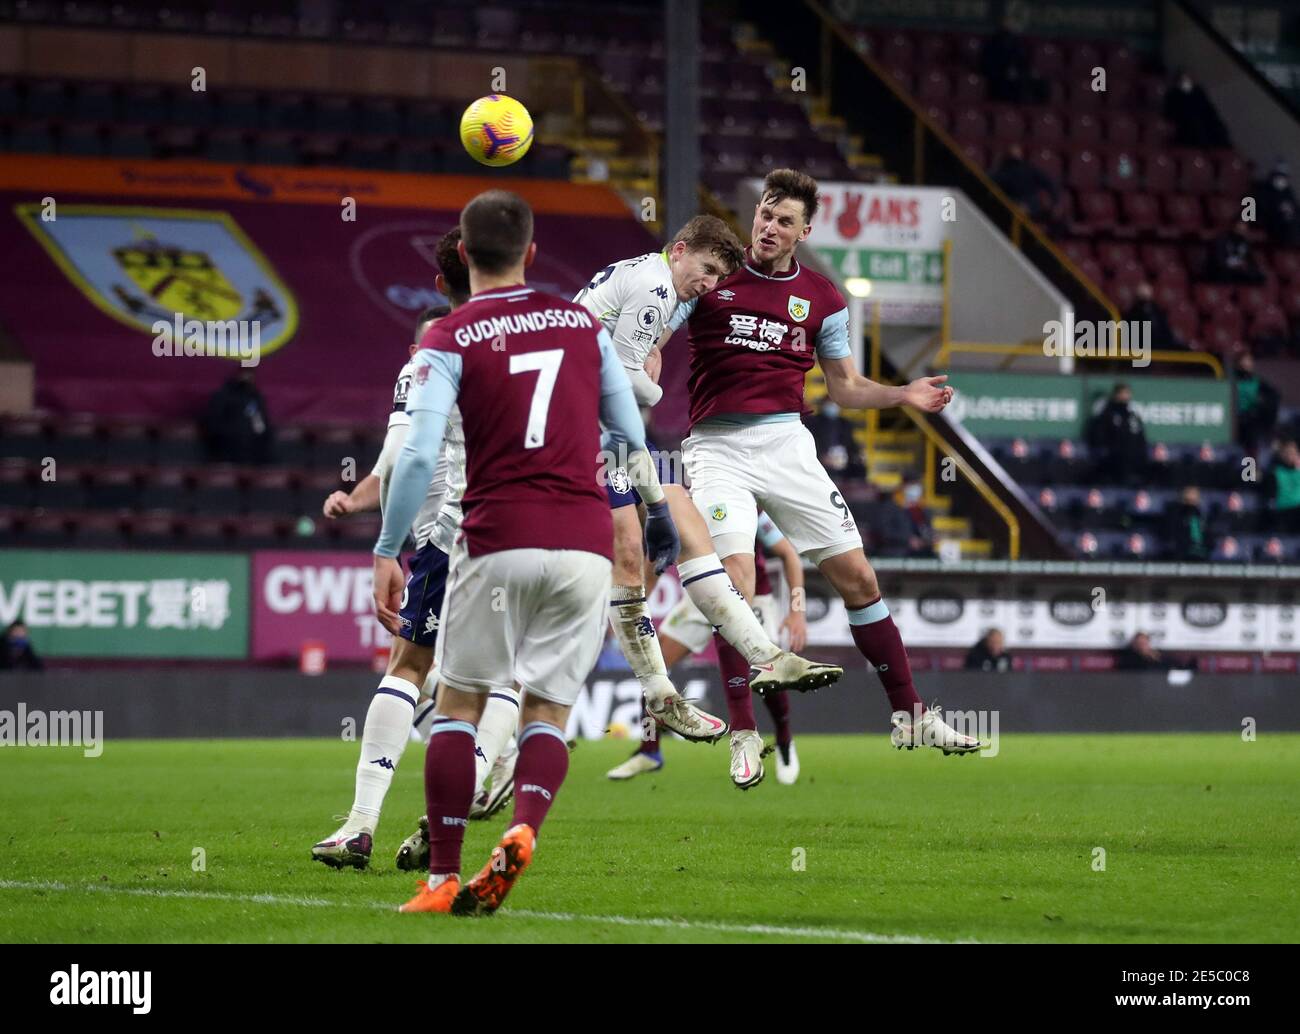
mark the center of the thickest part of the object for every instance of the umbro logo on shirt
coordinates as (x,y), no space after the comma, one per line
(726,295)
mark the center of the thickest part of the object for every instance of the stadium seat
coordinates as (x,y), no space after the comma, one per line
(969,88)
(274,491)
(1008,124)
(238,109)
(1084,170)
(1160,173)
(24,436)
(1182,216)
(76,439)
(178,444)
(1232,175)
(1122,131)
(113,487)
(16,488)
(1085,130)
(1046,127)
(96,530)
(226,145)
(131,142)
(45,528)
(969,124)
(206,532)
(1095,212)
(164,488)
(934,87)
(1195,173)
(146,104)
(216,490)
(1141,212)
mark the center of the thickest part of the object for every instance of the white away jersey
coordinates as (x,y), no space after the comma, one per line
(439,517)
(633,299)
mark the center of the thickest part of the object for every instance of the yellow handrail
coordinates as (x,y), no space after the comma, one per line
(981,486)
(941,134)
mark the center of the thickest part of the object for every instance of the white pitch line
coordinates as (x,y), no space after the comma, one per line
(828,933)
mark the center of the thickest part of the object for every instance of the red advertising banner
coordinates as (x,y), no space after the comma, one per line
(307,596)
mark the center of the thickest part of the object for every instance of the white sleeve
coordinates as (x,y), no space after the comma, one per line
(393,442)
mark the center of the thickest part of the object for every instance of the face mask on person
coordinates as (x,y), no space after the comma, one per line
(830,409)
(912,494)
(19,642)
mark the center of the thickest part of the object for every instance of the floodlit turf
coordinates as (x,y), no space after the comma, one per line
(1201,836)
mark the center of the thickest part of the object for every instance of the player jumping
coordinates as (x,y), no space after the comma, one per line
(753,340)
(685,631)
(529,576)
(634,299)
(398,704)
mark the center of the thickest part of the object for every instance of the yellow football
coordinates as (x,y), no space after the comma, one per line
(496,130)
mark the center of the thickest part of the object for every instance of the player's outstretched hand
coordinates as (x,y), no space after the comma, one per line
(337,504)
(388,586)
(661,542)
(928,394)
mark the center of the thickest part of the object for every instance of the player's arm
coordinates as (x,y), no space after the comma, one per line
(363,498)
(622,419)
(429,407)
(850,390)
(792,564)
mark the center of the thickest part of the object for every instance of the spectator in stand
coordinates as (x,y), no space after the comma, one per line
(887,523)
(921,541)
(235,425)
(1004,62)
(1140,655)
(989,654)
(1232,260)
(1145,309)
(836,447)
(1186,535)
(1282,488)
(1118,439)
(1196,120)
(1027,185)
(16,652)
(1257,405)
(1278,213)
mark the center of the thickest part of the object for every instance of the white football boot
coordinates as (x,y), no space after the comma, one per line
(500,786)
(791,672)
(687,720)
(746,758)
(787,766)
(345,847)
(931,731)
(638,764)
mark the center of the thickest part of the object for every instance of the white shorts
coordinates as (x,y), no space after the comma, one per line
(535,617)
(691,628)
(735,471)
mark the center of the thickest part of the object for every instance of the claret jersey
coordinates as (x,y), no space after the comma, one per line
(754,338)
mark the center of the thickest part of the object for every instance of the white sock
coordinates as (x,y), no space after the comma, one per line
(630,618)
(436,880)
(422,720)
(709,586)
(386,733)
(497,724)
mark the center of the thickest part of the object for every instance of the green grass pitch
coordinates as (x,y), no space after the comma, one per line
(1200,833)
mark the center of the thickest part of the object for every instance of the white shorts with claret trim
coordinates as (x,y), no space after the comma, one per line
(535,617)
(736,470)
